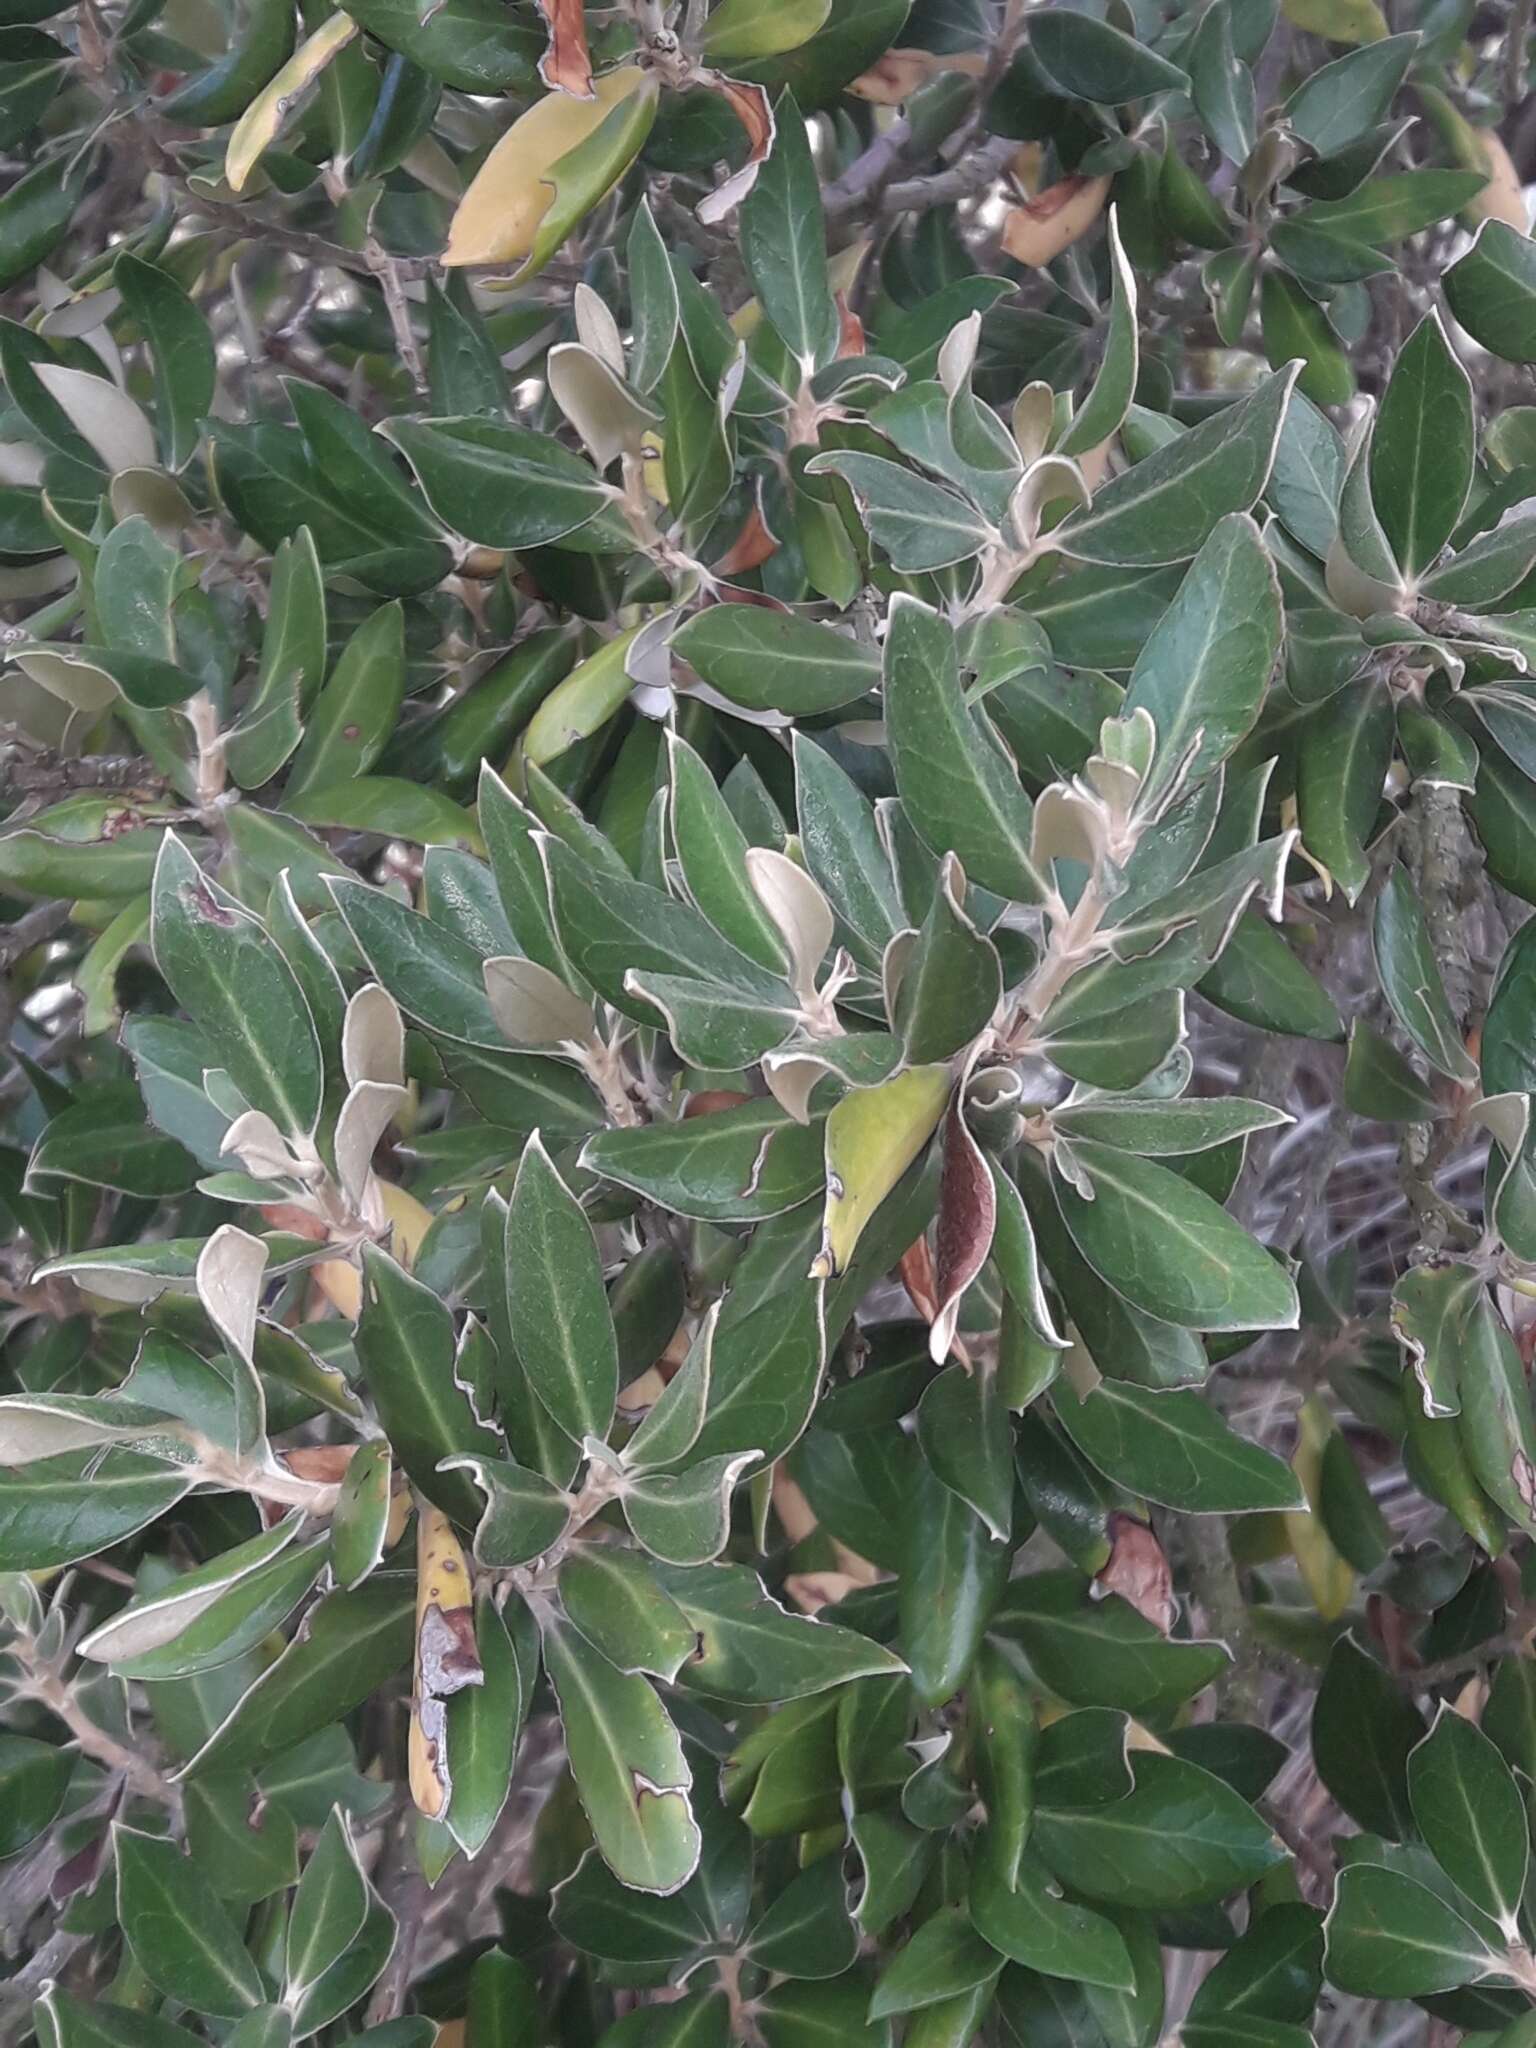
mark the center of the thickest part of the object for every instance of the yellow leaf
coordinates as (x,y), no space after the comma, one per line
(739,30)
(258,127)
(342,1285)
(1329,1578)
(411,1221)
(1040,229)
(553,164)
(873,1136)
(446,1658)
(582,704)
(1341,21)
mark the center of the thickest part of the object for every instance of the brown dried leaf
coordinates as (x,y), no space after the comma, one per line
(1037,231)
(899,73)
(963,1236)
(566,65)
(1137,1570)
(749,550)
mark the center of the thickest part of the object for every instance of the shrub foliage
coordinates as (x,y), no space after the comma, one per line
(771,1201)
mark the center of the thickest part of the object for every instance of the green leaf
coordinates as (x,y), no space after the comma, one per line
(1274,1969)
(776,661)
(210,1615)
(1103,411)
(1422,449)
(351,1643)
(1028,1923)
(560,1314)
(953,1574)
(962,1427)
(56,1510)
(712,854)
(1222,86)
(181,350)
(1101,1653)
(1206,667)
(104,1142)
(472,44)
(405,1345)
(807,1931)
(1345,750)
(504,486)
(34,1777)
(735,1165)
(1496,1424)
(944,1958)
(1410,978)
(524,1512)
(1335,241)
(751,1649)
(292,663)
(612,929)
(66,2022)
(240,991)
(1178,1838)
(958,790)
(685,1517)
(1389,1936)
(1089,60)
(1469,1810)
(361,1521)
(181,1936)
(1340,102)
(1363,1732)
(653,297)
(783,244)
(921,525)
(1169,1249)
(627,1762)
(35,211)
(355,713)
(1492,291)
(1164,508)
(328,1909)
(245,1863)
(436,977)
(1175,1449)
(1379,1082)
(614,1598)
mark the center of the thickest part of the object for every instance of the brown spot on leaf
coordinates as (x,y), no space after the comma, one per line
(205,906)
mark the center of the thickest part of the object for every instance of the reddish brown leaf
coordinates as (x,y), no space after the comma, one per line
(967,1218)
(916,1270)
(1137,1570)
(709,1101)
(850,339)
(753,110)
(565,65)
(751,547)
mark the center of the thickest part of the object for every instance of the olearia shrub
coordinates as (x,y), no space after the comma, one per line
(769,1198)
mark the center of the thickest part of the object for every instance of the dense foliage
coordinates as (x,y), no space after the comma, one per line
(769,1189)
